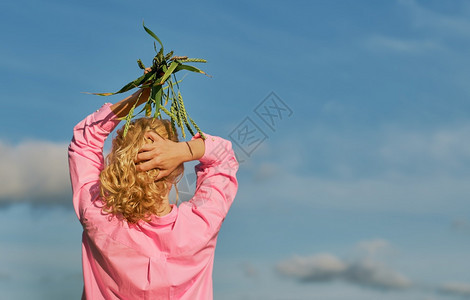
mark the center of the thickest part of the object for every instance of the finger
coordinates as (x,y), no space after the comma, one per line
(162,174)
(146,147)
(144,156)
(153,136)
(145,166)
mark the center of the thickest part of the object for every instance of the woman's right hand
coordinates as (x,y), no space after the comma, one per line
(162,154)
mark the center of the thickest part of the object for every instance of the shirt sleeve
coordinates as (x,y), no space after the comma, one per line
(85,154)
(216,184)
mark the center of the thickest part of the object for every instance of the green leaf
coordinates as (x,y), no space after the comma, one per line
(149,81)
(152,34)
(190,68)
(169,71)
(156,97)
(167,87)
(135,83)
(167,95)
(99,94)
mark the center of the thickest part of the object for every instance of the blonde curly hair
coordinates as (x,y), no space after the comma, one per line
(125,192)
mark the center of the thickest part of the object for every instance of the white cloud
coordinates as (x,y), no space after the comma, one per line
(365,271)
(34,171)
(455,288)
(319,267)
(374,274)
(327,267)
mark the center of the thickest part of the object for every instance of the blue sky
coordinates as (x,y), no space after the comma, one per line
(361,193)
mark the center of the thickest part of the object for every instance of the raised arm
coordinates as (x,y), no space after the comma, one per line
(86,148)
(122,108)
(216,185)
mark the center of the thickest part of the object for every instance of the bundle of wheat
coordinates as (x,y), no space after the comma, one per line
(160,77)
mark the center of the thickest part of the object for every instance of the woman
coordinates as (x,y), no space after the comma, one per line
(135,244)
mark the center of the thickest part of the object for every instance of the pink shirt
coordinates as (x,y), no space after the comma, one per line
(171,257)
